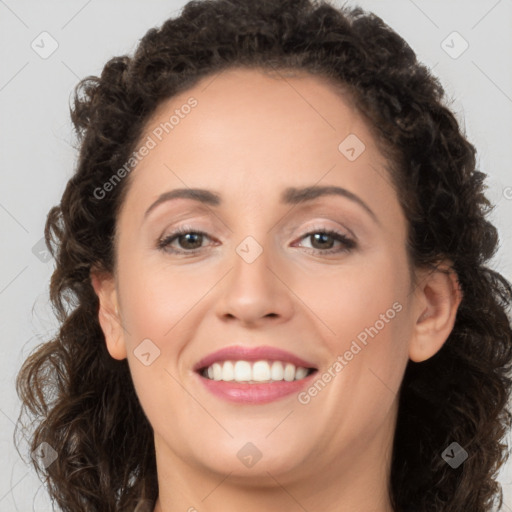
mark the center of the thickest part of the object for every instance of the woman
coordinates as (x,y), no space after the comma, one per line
(271,278)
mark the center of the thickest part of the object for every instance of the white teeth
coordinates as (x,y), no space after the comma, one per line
(289,372)
(228,371)
(217,371)
(257,371)
(301,372)
(277,371)
(242,371)
(261,371)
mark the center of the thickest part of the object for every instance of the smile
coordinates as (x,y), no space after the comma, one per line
(255,372)
(253,375)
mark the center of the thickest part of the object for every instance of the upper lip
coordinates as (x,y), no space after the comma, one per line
(251,354)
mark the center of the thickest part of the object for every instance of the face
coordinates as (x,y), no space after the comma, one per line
(293,253)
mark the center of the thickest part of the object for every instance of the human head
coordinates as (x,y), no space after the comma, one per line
(438,188)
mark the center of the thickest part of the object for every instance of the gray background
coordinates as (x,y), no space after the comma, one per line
(37,154)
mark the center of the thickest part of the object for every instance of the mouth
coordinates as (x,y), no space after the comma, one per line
(255,372)
(253,375)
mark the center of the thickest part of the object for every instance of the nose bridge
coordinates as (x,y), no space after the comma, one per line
(255,250)
(252,290)
(250,226)
(252,262)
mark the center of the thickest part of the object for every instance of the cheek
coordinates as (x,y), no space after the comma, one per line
(355,296)
(372,328)
(366,310)
(155,302)
(156,297)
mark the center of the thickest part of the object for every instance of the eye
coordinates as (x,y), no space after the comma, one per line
(188,240)
(322,241)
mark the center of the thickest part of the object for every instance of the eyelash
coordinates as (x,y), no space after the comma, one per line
(165,242)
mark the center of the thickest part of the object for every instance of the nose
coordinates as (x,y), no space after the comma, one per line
(255,293)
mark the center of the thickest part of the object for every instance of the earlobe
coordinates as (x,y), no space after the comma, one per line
(438,297)
(108,314)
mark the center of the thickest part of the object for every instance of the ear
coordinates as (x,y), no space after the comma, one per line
(438,296)
(108,315)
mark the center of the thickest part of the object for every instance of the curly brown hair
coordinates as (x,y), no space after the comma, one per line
(82,402)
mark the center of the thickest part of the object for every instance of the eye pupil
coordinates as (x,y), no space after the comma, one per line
(187,240)
(322,238)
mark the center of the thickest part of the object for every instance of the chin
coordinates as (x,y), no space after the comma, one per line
(254,460)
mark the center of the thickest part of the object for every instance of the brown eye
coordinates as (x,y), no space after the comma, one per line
(323,241)
(182,241)
(190,240)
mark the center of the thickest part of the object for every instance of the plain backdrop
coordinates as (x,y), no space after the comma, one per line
(37,156)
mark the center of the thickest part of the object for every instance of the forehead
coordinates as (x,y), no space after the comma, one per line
(246,128)
(252,100)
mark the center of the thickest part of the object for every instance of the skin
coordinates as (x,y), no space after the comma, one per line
(250,137)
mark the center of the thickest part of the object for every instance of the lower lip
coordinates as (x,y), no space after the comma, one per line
(241,392)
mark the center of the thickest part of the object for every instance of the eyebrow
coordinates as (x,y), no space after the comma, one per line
(290,196)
